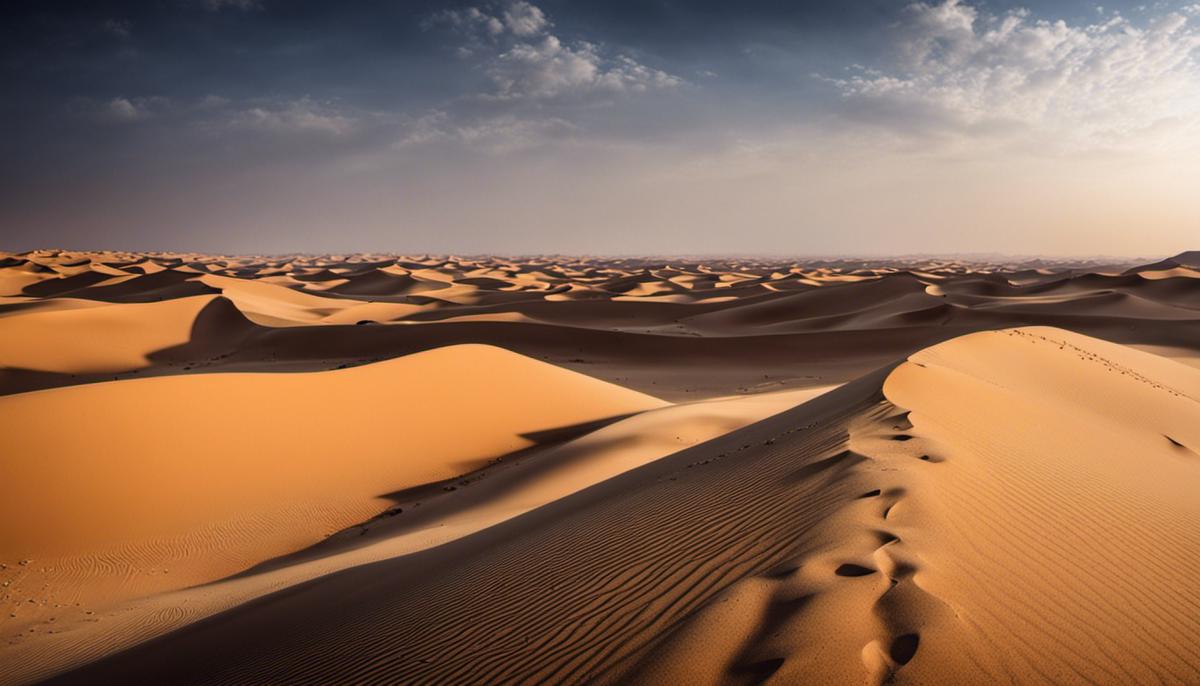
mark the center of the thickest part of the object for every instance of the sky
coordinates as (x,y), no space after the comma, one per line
(614,127)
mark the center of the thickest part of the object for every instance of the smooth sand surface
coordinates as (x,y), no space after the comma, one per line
(322,470)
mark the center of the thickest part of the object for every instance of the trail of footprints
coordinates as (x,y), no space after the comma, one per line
(899,604)
(877,555)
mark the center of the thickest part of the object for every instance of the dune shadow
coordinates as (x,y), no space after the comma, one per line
(839,462)
(216,333)
(415,507)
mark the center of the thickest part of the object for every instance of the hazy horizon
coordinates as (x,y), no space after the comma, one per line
(767,257)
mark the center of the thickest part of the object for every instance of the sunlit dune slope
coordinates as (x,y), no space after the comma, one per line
(419,520)
(206,474)
(1031,519)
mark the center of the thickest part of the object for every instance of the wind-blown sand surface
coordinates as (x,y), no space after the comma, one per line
(449,470)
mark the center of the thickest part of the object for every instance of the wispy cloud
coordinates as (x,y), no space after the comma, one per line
(542,86)
(125,110)
(121,28)
(243,5)
(524,59)
(496,134)
(960,69)
(304,115)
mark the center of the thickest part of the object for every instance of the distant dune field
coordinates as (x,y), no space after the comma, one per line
(454,470)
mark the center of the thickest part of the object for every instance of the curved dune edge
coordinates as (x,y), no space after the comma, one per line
(1007,506)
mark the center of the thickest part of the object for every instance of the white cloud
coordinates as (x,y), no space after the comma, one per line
(495,134)
(524,19)
(304,115)
(1088,85)
(216,114)
(123,109)
(468,21)
(541,85)
(524,60)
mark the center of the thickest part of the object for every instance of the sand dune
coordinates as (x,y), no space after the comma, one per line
(326,475)
(415,520)
(904,528)
(96,337)
(391,417)
(1007,510)
(647,325)
(211,474)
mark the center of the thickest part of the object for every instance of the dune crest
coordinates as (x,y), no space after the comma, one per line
(998,506)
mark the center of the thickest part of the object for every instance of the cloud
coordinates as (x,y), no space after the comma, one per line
(524,19)
(121,28)
(542,88)
(243,5)
(469,21)
(961,70)
(525,61)
(538,91)
(549,69)
(303,115)
(124,110)
(493,134)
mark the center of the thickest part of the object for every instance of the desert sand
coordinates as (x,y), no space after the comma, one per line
(430,469)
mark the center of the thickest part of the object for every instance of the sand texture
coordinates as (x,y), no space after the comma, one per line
(433,470)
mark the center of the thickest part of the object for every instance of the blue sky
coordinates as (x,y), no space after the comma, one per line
(606,127)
